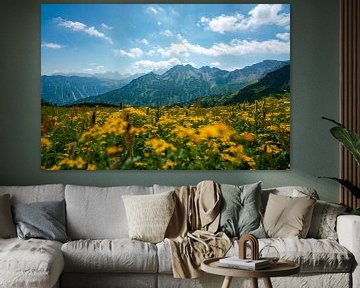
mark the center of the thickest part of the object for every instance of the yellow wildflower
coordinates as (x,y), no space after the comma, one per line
(159,145)
(229,158)
(91,167)
(169,165)
(113,150)
(45,142)
(248,136)
(216,130)
(77,163)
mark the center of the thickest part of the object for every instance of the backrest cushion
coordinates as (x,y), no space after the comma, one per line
(163,188)
(98,212)
(7,226)
(35,193)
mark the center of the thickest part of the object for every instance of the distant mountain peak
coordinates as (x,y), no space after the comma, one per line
(178,85)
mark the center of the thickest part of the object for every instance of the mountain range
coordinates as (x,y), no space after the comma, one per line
(180,84)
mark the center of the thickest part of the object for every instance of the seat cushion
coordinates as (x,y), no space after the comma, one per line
(313,255)
(30,263)
(117,255)
(98,213)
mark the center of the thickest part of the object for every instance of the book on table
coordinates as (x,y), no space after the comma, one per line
(249,264)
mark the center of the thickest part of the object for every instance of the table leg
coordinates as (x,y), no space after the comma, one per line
(267,283)
(254,282)
(227,282)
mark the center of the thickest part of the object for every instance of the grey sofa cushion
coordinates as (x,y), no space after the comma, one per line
(117,255)
(7,226)
(98,213)
(30,263)
(44,220)
(34,193)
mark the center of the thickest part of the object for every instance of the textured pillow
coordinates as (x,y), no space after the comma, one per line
(149,215)
(323,222)
(288,217)
(7,227)
(240,210)
(44,220)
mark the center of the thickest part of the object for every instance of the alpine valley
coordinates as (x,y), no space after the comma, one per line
(180,85)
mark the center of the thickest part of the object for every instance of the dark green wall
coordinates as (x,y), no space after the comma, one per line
(314,87)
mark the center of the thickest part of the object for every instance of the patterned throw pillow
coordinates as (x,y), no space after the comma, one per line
(288,217)
(240,213)
(7,226)
(149,215)
(323,223)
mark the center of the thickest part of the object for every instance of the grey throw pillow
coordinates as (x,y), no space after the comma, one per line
(323,222)
(7,226)
(240,213)
(44,220)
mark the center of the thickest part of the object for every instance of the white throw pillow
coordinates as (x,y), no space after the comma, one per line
(149,215)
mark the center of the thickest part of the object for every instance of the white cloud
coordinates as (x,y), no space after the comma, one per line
(262,14)
(148,65)
(51,45)
(283,36)
(132,53)
(234,48)
(144,41)
(215,64)
(95,69)
(107,27)
(167,33)
(81,27)
(154,10)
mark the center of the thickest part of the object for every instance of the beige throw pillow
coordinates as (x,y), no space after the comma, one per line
(288,217)
(7,226)
(149,215)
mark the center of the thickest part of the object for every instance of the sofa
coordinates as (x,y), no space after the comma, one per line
(100,253)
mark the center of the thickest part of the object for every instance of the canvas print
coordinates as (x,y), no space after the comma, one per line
(165,86)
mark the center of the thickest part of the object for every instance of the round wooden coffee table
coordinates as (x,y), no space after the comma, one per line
(281,268)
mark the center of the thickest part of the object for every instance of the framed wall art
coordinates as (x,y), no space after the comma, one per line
(165,86)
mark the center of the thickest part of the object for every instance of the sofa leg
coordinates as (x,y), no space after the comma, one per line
(227,282)
(267,283)
(254,282)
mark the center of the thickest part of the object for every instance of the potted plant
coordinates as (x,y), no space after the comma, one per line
(351,141)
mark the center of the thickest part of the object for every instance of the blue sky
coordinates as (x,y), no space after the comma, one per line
(139,38)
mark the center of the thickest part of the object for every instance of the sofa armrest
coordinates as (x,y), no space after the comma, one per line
(348,230)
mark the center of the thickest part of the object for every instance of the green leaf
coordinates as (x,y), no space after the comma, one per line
(348,138)
(348,185)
